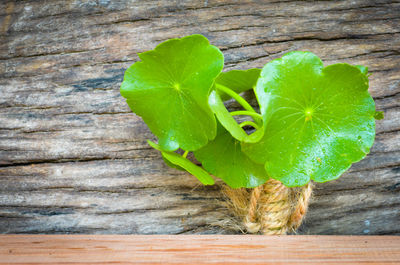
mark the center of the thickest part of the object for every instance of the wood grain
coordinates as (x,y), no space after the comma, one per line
(215,249)
(74,159)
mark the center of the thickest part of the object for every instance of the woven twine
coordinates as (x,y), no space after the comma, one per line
(270,209)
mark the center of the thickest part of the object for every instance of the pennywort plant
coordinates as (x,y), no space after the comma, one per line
(314,121)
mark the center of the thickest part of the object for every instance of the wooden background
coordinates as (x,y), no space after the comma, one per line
(74,159)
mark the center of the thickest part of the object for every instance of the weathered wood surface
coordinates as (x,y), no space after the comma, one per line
(198,249)
(74,159)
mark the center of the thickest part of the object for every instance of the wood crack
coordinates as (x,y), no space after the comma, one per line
(49,54)
(66,160)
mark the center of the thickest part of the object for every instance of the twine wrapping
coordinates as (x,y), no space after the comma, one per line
(270,209)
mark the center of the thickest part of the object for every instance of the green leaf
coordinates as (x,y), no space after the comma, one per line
(169,89)
(318,121)
(379,115)
(171,165)
(238,80)
(186,164)
(223,158)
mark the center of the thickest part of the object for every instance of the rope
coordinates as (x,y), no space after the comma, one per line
(302,198)
(250,221)
(275,208)
(270,209)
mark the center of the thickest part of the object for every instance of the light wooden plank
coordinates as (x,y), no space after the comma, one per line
(198,249)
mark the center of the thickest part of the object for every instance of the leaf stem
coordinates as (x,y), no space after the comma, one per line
(254,115)
(236,96)
(250,123)
(240,100)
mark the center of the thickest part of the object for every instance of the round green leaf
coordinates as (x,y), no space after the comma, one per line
(223,158)
(185,164)
(318,121)
(238,80)
(169,89)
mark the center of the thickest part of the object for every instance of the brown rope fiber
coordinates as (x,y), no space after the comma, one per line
(250,220)
(270,209)
(275,208)
(301,199)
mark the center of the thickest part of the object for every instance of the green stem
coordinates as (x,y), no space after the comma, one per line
(254,115)
(241,101)
(236,96)
(249,123)
(185,154)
